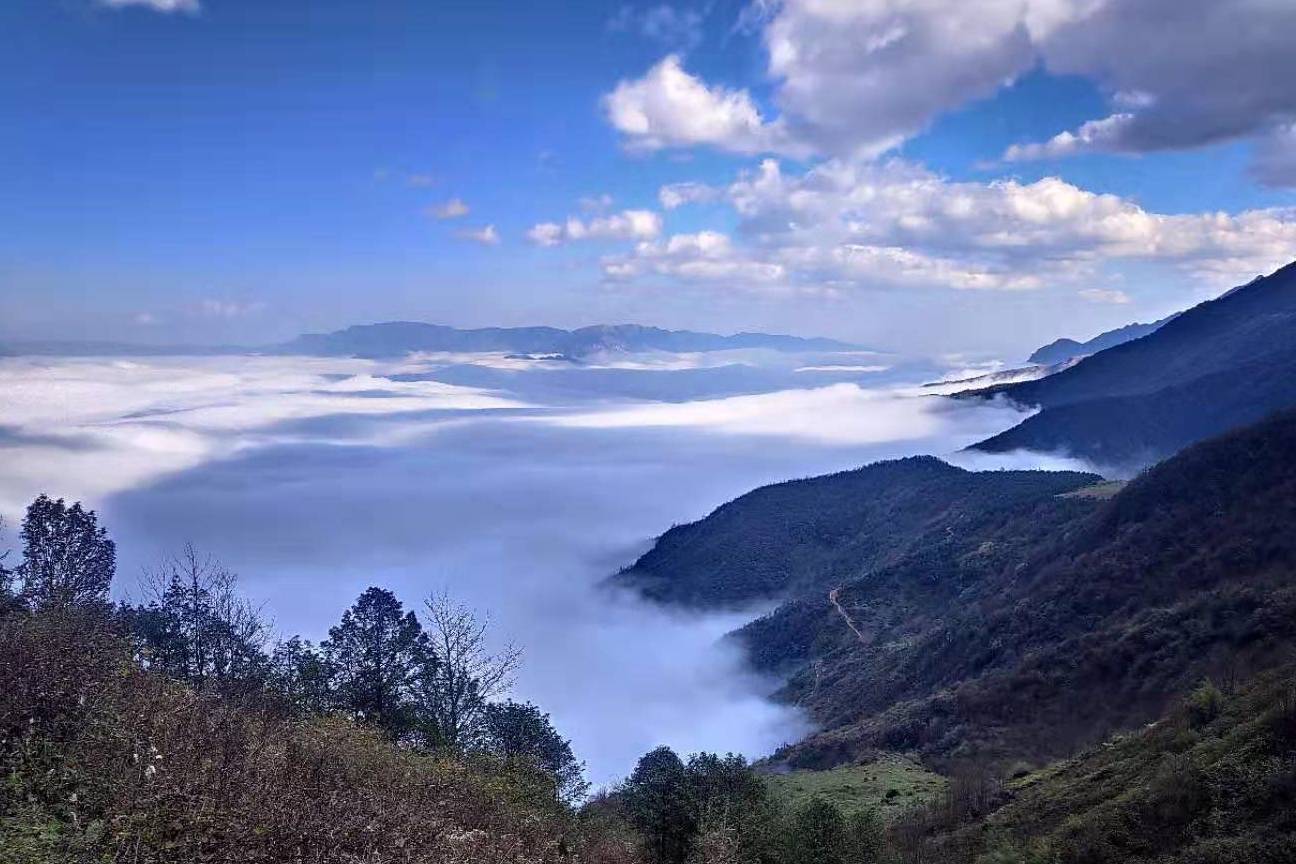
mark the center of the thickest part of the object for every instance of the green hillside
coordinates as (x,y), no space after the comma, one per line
(814,534)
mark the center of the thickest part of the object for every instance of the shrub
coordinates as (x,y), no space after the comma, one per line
(106,761)
(1204,704)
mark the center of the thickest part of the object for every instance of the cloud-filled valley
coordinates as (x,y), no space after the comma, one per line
(519,486)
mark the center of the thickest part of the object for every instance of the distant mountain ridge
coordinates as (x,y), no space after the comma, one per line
(397,338)
(1062,350)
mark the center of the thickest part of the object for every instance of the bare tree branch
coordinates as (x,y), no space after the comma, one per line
(468,675)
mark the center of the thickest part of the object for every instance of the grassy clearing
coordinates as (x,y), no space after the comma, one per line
(892,784)
(1101,491)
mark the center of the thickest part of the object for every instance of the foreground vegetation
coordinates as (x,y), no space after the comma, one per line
(890,785)
(1018,640)
(1212,782)
(170,730)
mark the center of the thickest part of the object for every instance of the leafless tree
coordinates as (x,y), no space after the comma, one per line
(194,623)
(467,675)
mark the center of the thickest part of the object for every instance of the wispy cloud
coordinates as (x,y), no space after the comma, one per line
(214,308)
(675,195)
(672,27)
(191,7)
(1105,295)
(452,209)
(486,235)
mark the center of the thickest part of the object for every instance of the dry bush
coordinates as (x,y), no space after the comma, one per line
(107,762)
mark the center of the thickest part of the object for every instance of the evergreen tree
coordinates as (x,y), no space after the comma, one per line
(301,674)
(68,559)
(520,730)
(377,654)
(658,804)
(817,835)
(731,805)
(7,599)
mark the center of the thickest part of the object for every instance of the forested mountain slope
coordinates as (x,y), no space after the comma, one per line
(1217,366)
(1246,324)
(1125,433)
(1212,781)
(810,535)
(1058,625)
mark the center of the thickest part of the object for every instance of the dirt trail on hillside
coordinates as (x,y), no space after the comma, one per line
(832,598)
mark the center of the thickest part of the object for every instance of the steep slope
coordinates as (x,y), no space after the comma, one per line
(1243,326)
(1124,433)
(1062,350)
(807,535)
(1213,781)
(1086,623)
(1219,365)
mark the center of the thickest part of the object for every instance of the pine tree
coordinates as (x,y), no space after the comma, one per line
(68,559)
(377,654)
(520,730)
(658,804)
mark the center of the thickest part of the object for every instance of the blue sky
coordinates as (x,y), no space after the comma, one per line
(236,170)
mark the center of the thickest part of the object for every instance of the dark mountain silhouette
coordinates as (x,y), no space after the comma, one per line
(1219,365)
(1062,350)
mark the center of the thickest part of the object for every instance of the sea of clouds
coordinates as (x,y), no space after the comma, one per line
(517,485)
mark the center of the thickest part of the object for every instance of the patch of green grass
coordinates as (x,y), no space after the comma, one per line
(1100,491)
(892,784)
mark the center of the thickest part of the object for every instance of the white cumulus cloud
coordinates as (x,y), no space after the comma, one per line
(847,224)
(669,108)
(852,78)
(626,225)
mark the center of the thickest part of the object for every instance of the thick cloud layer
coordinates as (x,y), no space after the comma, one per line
(517,486)
(847,224)
(856,78)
